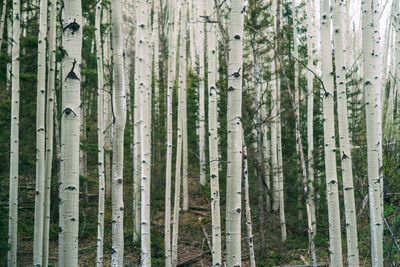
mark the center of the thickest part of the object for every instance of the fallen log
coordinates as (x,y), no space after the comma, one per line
(193,260)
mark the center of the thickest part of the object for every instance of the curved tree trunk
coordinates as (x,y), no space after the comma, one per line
(234,134)
(70,126)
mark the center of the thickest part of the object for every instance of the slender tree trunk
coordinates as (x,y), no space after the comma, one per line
(310,111)
(200,49)
(212,49)
(119,121)
(173,39)
(40,137)
(234,129)
(144,71)
(335,242)
(3,21)
(274,125)
(259,146)
(182,82)
(14,137)
(50,127)
(156,53)
(249,228)
(338,11)
(279,131)
(372,84)
(69,186)
(100,136)
(107,99)
(180,130)
(9,52)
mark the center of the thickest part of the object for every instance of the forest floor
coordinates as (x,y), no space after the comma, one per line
(194,235)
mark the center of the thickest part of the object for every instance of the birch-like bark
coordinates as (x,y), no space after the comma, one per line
(249,228)
(180,131)
(107,99)
(200,50)
(173,39)
(372,84)
(40,137)
(100,136)
(212,49)
(119,121)
(258,144)
(310,111)
(69,186)
(9,52)
(50,126)
(156,53)
(234,129)
(335,242)
(279,132)
(338,12)
(144,75)
(182,82)
(3,21)
(274,125)
(14,136)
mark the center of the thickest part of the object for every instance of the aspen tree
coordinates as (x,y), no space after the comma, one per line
(9,53)
(156,52)
(372,85)
(100,136)
(136,140)
(310,110)
(212,55)
(40,136)
(200,49)
(3,21)
(180,129)
(69,186)
(144,71)
(234,129)
(250,237)
(338,11)
(259,145)
(14,136)
(182,71)
(119,104)
(50,126)
(172,43)
(274,115)
(279,133)
(335,245)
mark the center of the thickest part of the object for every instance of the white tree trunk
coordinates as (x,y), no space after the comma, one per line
(50,126)
(212,53)
(14,136)
(180,131)
(234,128)
(274,114)
(182,82)
(249,228)
(338,12)
(172,43)
(200,49)
(40,136)
(69,186)
(100,136)
(310,112)
(144,78)
(156,52)
(335,242)
(372,84)
(119,121)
